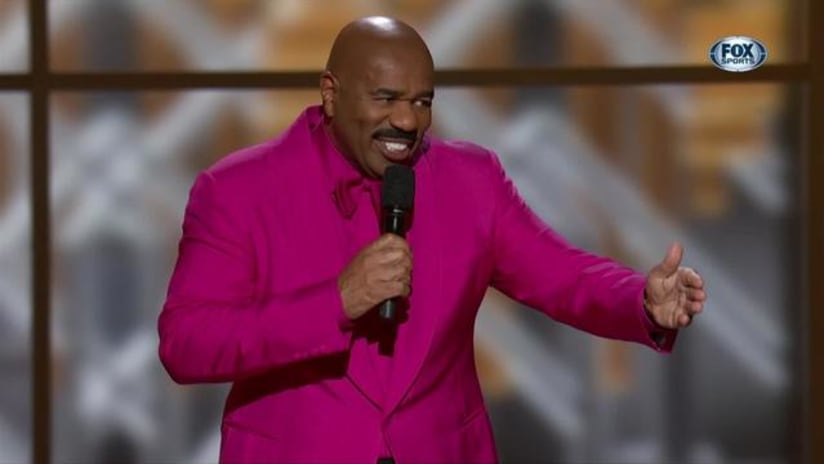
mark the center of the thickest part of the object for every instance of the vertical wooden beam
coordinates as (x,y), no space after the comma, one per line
(814,231)
(41,232)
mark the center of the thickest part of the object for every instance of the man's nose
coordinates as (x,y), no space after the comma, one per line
(403,116)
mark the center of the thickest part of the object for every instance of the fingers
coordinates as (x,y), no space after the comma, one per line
(671,261)
(693,288)
(393,268)
(392,246)
(691,279)
(393,257)
(388,240)
(394,284)
(402,274)
(678,315)
(691,308)
(401,288)
(696,295)
(388,249)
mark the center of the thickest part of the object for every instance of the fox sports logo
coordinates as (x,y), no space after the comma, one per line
(738,53)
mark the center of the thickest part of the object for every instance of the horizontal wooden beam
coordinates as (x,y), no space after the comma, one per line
(12,82)
(90,81)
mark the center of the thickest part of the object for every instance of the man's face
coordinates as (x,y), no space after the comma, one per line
(382,111)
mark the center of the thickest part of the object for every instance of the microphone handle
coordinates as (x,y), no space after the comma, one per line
(388,310)
(393,223)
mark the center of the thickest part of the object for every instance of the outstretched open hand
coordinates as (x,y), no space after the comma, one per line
(673,295)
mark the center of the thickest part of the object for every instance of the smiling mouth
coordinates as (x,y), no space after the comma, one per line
(395,150)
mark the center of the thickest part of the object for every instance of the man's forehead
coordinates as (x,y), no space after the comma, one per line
(396,65)
(395,82)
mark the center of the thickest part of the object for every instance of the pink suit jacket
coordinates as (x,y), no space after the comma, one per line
(253,300)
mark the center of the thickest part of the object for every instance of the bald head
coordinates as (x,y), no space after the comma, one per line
(377,93)
(366,38)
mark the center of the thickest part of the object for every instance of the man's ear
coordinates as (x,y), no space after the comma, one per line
(328,92)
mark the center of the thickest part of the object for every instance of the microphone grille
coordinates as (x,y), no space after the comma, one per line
(398,187)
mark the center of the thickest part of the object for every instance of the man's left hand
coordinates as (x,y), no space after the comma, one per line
(673,294)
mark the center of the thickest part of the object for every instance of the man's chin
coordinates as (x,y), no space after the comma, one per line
(376,167)
(381,170)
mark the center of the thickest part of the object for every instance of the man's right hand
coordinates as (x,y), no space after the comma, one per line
(380,271)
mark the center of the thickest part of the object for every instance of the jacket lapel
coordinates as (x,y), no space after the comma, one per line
(362,370)
(325,231)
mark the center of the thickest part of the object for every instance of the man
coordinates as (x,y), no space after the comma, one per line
(282,263)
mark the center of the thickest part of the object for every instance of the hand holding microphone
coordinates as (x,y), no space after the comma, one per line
(382,271)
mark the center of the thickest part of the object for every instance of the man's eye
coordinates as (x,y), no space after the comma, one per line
(423,103)
(385,99)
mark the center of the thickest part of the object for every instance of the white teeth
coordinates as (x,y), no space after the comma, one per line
(395,146)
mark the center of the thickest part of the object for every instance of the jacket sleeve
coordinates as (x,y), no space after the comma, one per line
(537,267)
(214,326)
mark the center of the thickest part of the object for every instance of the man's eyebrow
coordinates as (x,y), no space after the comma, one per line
(386,92)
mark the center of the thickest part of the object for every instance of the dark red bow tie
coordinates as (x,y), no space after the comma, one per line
(348,191)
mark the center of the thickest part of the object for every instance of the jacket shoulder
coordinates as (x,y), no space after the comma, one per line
(263,165)
(461,149)
(462,159)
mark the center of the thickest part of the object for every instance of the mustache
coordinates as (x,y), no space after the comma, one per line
(395,134)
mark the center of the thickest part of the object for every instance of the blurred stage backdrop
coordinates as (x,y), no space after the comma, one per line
(620,170)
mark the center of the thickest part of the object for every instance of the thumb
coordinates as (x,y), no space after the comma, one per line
(670,264)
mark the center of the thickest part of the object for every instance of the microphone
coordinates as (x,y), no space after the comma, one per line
(397,199)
